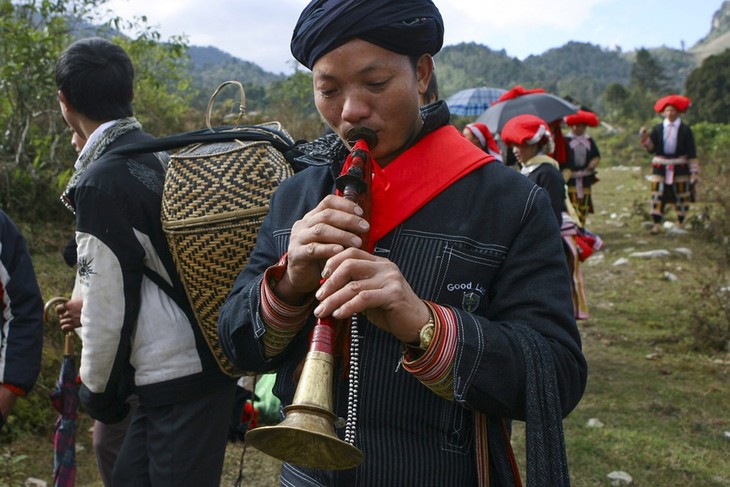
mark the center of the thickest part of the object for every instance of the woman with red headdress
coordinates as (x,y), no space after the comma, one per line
(531,141)
(674,166)
(480,135)
(582,158)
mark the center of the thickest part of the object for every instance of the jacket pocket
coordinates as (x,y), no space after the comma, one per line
(458,428)
(464,276)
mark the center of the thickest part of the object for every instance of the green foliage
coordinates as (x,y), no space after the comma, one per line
(293,103)
(709,89)
(676,65)
(162,86)
(32,36)
(710,326)
(579,70)
(12,468)
(209,67)
(467,65)
(614,100)
(35,151)
(647,75)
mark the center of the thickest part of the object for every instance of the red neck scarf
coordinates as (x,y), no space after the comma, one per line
(417,176)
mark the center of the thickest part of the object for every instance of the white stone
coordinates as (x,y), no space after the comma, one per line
(683,251)
(677,231)
(668,276)
(651,254)
(594,423)
(34,482)
(620,477)
(621,261)
(595,259)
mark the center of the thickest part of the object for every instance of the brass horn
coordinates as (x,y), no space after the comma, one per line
(306,436)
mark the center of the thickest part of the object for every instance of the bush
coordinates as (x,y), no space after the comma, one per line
(711,303)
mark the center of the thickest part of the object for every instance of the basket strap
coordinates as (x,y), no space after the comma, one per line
(246,133)
(179,298)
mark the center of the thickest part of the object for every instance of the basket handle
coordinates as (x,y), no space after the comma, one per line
(241,106)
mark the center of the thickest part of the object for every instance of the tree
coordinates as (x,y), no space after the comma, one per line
(35,149)
(291,99)
(615,98)
(709,89)
(647,75)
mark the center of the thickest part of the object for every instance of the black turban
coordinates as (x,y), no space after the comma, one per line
(410,27)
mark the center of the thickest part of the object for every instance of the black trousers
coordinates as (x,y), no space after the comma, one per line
(177,444)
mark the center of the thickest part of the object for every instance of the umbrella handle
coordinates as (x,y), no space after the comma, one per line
(51,306)
(68,343)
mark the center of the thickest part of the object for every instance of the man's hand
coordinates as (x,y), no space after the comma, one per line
(69,314)
(358,282)
(334,225)
(7,401)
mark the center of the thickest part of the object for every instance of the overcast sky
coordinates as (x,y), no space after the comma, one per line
(260,30)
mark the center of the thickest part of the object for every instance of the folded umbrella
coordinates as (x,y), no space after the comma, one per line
(65,399)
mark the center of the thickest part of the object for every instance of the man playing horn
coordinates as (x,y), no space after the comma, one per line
(463,307)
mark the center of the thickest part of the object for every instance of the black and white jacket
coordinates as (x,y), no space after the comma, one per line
(131,327)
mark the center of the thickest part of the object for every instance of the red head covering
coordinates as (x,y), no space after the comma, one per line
(681,103)
(486,139)
(582,117)
(525,130)
(517,90)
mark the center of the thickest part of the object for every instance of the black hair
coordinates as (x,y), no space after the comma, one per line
(97,78)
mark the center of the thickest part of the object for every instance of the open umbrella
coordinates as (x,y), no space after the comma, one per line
(473,101)
(65,399)
(544,105)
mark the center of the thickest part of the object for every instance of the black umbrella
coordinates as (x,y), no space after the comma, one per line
(544,105)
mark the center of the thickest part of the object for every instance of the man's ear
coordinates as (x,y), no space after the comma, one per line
(424,71)
(64,102)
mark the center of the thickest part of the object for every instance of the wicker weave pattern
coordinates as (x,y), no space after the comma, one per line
(215,198)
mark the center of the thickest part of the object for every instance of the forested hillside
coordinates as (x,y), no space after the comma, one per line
(209,67)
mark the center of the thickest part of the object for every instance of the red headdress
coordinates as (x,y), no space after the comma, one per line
(525,130)
(486,139)
(582,117)
(681,103)
(517,90)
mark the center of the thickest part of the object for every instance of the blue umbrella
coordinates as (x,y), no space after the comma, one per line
(473,101)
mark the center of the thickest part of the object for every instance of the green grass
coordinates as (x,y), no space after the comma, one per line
(663,403)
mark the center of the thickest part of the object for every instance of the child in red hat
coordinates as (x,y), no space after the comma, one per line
(480,135)
(583,157)
(531,140)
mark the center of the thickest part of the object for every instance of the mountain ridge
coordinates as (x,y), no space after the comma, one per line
(580,70)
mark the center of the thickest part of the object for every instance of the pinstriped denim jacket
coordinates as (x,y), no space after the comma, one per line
(488,247)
